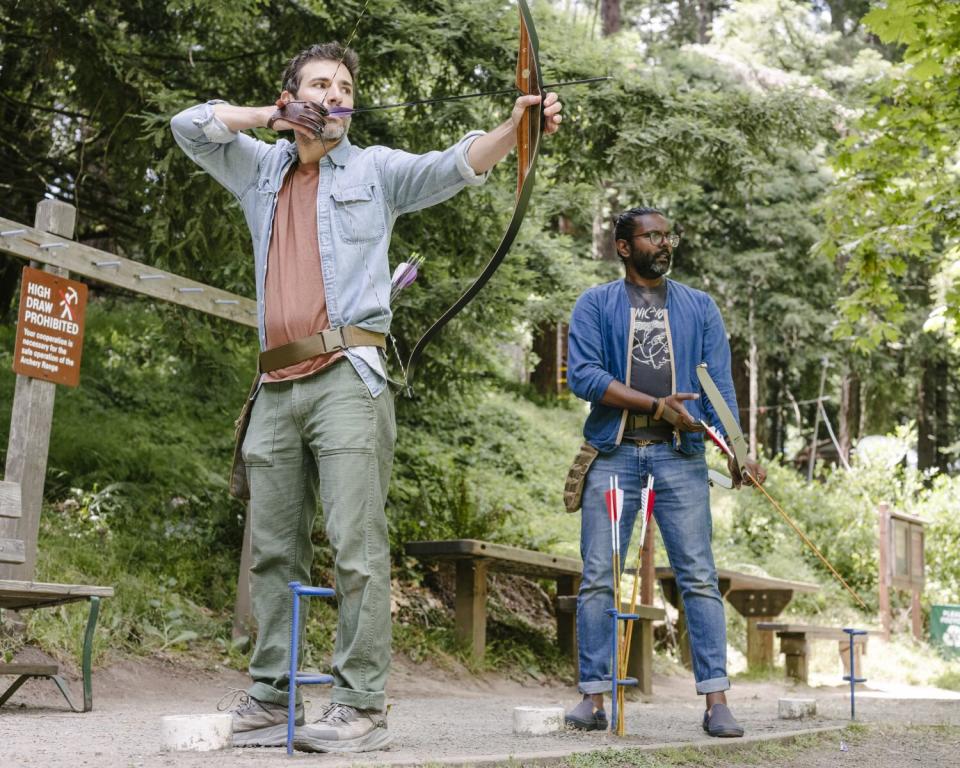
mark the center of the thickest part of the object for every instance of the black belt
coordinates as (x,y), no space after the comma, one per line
(637,421)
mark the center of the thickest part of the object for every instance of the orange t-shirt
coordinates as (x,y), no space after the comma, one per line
(296,306)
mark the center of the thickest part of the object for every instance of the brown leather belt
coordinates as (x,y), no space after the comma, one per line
(322,343)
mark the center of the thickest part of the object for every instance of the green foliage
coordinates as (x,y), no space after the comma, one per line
(894,215)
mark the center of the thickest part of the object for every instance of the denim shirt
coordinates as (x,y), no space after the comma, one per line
(360,194)
(600,342)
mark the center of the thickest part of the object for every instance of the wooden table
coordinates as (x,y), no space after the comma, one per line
(474,559)
(757,598)
(19,595)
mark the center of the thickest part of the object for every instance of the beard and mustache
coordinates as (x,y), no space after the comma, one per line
(650,266)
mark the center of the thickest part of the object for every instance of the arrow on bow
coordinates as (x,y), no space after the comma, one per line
(529,81)
(738,451)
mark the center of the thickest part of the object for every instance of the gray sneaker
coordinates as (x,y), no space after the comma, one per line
(259,723)
(342,728)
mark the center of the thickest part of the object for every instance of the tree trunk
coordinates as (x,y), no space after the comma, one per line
(849,413)
(942,413)
(753,374)
(610,15)
(741,379)
(705,12)
(545,375)
(927,416)
(776,416)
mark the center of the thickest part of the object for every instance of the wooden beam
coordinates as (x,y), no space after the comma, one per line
(12,551)
(58,250)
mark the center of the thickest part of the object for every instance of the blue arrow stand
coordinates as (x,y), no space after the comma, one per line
(852,677)
(301,678)
(614,667)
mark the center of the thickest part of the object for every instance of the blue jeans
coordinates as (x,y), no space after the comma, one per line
(682,511)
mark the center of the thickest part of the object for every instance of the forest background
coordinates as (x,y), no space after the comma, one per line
(808,149)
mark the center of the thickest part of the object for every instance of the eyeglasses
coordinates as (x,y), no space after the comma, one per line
(659,238)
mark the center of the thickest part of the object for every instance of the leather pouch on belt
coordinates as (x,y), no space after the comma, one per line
(239,487)
(573,488)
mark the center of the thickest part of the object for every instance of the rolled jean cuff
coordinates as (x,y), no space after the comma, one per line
(595,686)
(714,685)
(376,701)
(271,695)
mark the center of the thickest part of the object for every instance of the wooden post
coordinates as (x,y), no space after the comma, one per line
(796,651)
(759,644)
(30,424)
(567,621)
(883,582)
(916,617)
(471,605)
(648,575)
(242,609)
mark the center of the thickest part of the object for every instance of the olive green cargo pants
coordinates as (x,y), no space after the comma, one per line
(326,437)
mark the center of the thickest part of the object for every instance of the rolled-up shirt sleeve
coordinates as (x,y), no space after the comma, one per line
(413,182)
(231,157)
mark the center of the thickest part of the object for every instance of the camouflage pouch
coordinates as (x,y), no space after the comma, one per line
(239,488)
(573,488)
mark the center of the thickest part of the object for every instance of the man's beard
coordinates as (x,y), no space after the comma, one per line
(332,132)
(651,266)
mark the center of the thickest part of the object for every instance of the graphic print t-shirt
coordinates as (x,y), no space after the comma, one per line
(650,369)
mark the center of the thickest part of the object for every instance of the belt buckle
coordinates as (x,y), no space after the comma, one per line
(332,339)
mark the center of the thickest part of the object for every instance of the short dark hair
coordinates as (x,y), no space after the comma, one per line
(320,52)
(623,225)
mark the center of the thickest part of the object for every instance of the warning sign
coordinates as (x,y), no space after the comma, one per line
(50,327)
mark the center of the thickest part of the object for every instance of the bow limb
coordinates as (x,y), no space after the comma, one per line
(739,448)
(529,81)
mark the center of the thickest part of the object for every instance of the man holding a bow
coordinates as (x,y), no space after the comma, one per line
(634,347)
(321,420)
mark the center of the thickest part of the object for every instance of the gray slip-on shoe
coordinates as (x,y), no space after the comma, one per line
(583,717)
(719,721)
(342,728)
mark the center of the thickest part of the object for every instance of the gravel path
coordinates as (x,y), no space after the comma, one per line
(436,717)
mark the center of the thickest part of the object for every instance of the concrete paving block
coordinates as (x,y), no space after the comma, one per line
(796,708)
(196,733)
(537,721)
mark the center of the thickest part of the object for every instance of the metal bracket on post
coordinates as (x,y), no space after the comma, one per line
(852,677)
(615,679)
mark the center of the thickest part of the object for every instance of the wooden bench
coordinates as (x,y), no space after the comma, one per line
(20,595)
(475,559)
(640,662)
(795,642)
(757,598)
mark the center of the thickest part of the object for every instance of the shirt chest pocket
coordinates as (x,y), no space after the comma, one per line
(358,213)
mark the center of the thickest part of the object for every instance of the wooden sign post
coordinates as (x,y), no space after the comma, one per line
(29,440)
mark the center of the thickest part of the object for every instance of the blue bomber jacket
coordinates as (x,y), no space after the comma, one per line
(599,352)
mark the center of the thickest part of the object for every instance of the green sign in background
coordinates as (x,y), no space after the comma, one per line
(945,628)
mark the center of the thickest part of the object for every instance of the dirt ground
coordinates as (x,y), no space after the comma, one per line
(447,716)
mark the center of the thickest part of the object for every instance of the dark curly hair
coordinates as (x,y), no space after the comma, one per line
(321,52)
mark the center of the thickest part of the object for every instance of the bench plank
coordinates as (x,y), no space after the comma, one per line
(16,595)
(33,670)
(809,630)
(503,558)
